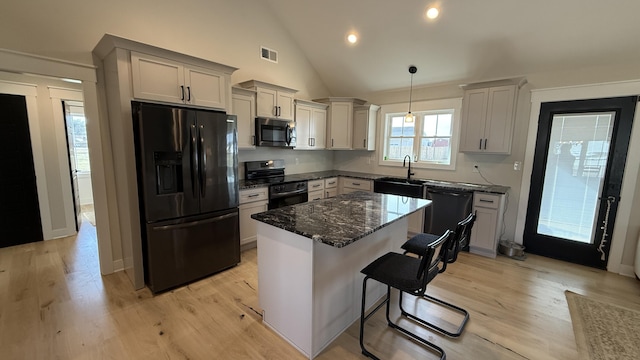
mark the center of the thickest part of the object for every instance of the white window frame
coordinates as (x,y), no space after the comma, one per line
(454,105)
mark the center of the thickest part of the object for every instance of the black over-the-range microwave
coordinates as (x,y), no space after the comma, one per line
(275,132)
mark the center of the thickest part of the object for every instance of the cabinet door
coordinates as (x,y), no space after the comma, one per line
(205,88)
(360,129)
(266,101)
(331,192)
(341,126)
(303,128)
(498,129)
(285,103)
(474,114)
(319,128)
(243,107)
(248,232)
(483,234)
(157,79)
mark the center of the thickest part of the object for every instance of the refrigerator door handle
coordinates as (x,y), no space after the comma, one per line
(194,223)
(203,164)
(194,160)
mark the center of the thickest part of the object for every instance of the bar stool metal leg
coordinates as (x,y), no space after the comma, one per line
(428,324)
(438,350)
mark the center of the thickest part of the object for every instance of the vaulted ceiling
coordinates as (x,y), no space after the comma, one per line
(470,41)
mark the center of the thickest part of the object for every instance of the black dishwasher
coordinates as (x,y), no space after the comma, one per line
(448,207)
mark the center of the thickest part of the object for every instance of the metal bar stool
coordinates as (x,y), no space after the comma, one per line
(417,245)
(407,274)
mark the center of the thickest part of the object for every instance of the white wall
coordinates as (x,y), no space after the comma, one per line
(227,32)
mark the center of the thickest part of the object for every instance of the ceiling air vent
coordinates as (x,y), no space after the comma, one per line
(268,54)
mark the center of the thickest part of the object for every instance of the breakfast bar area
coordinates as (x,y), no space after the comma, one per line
(309,261)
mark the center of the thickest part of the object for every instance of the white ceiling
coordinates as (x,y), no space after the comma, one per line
(472,40)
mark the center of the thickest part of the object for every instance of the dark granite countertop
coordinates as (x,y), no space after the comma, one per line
(498,189)
(343,219)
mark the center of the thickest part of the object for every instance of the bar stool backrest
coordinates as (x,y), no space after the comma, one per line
(435,254)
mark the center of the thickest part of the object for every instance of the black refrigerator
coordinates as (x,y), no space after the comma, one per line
(187,170)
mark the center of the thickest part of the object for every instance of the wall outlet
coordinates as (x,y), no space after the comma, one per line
(476,168)
(517,165)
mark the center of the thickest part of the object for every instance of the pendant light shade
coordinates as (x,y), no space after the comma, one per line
(409,118)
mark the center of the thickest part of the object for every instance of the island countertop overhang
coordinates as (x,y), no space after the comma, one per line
(341,220)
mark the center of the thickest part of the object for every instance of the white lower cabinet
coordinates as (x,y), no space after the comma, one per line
(330,187)
(252,201)
(349,185)
(485,234)
(416,222)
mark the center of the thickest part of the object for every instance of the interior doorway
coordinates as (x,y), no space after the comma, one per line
(20,220)
(79,164)
(578,167)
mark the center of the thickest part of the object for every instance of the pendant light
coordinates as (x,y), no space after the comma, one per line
(409,118)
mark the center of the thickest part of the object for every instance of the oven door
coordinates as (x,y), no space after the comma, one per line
(291,198)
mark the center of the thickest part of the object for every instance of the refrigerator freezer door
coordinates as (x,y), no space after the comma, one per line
(167,179)
(218,161)
(182,251)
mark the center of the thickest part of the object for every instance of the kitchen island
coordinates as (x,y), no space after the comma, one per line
(309,261)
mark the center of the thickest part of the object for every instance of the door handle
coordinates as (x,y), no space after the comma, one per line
(182,92)
(188,93)
(194,159)
(195,223)
(203,163)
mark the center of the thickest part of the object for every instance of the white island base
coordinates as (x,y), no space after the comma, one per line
(310,292)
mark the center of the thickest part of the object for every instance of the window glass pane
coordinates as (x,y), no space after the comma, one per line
(394,150)
(81,149)
(444,125)
(396,125)
(408,129)
(435,149)
(430,123)
(407,146)
(576,164)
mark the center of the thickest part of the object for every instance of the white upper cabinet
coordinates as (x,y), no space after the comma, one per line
(340,122)
(243,105)
(487,119)
(364,127)
(311,123)
(272,101)
(165,80)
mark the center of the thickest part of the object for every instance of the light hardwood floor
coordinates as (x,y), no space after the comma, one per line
(54,304)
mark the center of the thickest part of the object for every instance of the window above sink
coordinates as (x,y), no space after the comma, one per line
(431,141)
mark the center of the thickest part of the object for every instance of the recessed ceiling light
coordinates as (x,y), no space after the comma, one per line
(433,13)
(352,38)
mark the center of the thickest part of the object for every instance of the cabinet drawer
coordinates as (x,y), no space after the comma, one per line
(316,195)
(257,194)
(489,201)
(330,183)
(364,185)
(315,185)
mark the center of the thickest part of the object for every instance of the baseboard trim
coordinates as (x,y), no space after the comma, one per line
(626,270)
(118,265)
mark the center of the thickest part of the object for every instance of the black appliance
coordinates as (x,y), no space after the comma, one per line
(448,206)
(275,132)
(281,193)
(188,192)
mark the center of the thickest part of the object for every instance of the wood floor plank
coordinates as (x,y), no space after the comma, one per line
(54,304)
